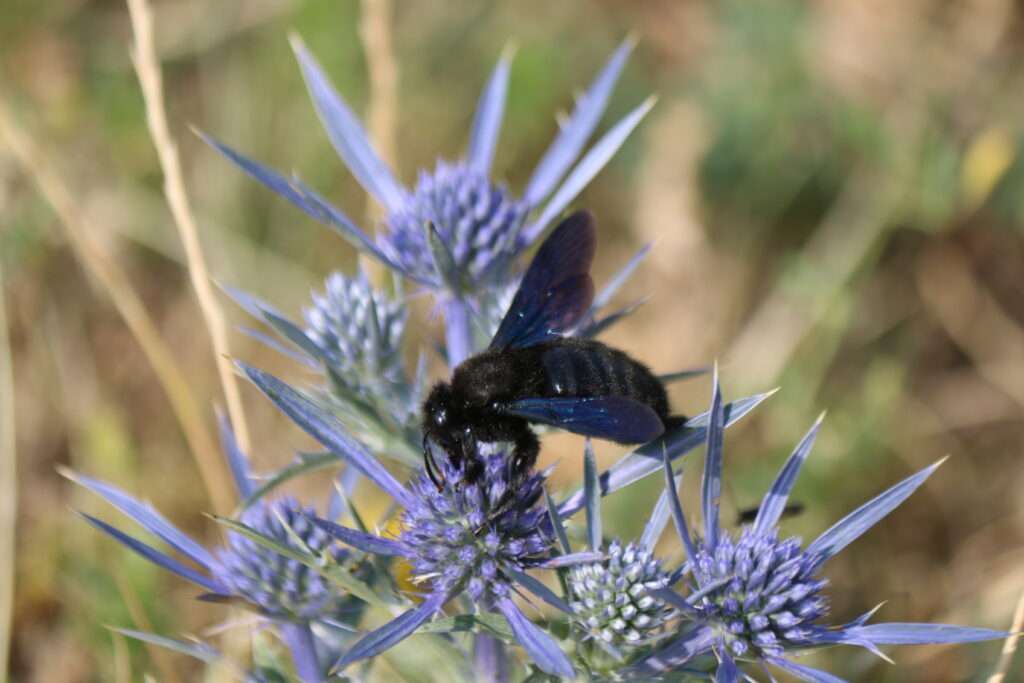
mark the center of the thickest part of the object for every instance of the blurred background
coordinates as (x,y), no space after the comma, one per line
(836,196)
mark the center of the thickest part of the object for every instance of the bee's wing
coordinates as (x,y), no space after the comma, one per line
(615,418)
(556,290)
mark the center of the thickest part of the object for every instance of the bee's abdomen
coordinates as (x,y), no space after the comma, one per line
(582,368)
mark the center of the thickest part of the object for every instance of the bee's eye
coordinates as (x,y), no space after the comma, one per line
(441,417)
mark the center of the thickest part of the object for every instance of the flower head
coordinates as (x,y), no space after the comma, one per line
(754,597)
(279,586)
(611,597)
(243,570)
(767,597)
(358,331)
(480,225)
(470,535)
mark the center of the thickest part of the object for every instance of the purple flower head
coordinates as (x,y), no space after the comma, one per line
(359,330)
(476,226)
(278,586)
(755,598)
(768,597)
(467,536)
(478,223)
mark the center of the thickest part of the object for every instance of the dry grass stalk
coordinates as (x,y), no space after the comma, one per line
(147,67)
(8,488)
(1010,644)
(115,282)
(381,112)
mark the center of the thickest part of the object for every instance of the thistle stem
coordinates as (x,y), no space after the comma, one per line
(490,659)
(458,330)
(300,641)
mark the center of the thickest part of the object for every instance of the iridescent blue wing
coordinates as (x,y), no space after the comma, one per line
(615,418)
(556,290)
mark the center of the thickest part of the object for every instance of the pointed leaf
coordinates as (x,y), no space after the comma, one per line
(307,200)
(494,624)
(333,572)
(444,262)
(303,464)
(676,508)
(681,375)
(483,139)
(727,671)
(282,325)
(647,459)
(852,526)
(604,297)
(274,345)
(541,647)
(393,632)
(599,325)
(711,486)
(368,543)
(567,145)
(571,560)
(556,523)
(537,588)
(588,167)
(146,517)
(192,648)
(922,634)
(592,496)
(326,429)
(237,460)
(154,555)
(347,135)
(659,516)
(774,503)
(804,673)
(676,654)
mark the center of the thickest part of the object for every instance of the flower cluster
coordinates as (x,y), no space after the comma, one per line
(483,548)
(612,597)
(466,536)
(278,585)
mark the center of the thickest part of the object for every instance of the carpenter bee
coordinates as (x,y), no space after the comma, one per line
(532,374)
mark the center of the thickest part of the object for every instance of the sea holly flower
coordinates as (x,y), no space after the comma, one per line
(475,540)
(279,588)
(615,616)
(359,330)
(757,597)
(456,230)
(353,334)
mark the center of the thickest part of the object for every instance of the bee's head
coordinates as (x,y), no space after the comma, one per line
(442,414)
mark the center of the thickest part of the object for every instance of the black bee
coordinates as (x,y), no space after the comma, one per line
(531,374)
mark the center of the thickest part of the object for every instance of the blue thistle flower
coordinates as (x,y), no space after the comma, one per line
(468,536)
(611,597)
(243,571)
(278,586)
(477,225)
(479,538)
(758,598)
(358,331)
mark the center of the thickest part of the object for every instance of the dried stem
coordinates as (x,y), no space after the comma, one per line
(1010,645)
(381,117)
(147,67)
(8,488)
(117,285)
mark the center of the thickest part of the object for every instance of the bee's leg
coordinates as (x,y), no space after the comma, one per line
(673,421)
(472,468)
(527,446)
(430,465)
